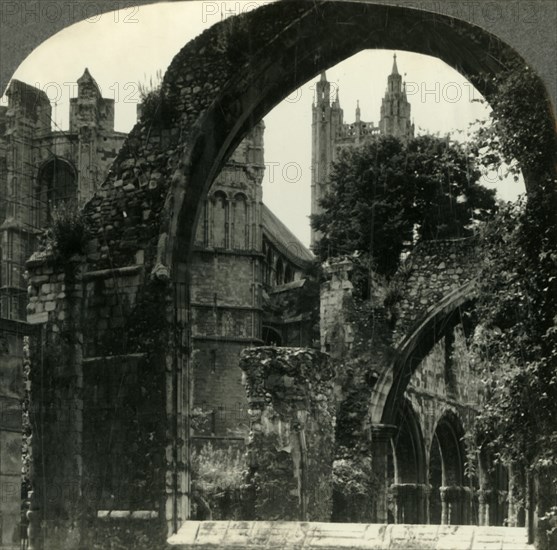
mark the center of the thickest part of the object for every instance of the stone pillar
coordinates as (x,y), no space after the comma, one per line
(483,499)
(444,506)
(424,512)
(56,395)
(292,419)
(34,523)
(453,502)
(410,502)
(512,516)
(335,330)
(467,505)
(381,435)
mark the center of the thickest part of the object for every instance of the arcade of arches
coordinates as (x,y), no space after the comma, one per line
(115,350)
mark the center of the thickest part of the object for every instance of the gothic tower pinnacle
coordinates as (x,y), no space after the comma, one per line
(395,109)
(327,120)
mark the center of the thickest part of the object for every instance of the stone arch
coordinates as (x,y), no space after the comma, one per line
(450,497)
(409,490)
(241,97)
(426,332)
(409,446)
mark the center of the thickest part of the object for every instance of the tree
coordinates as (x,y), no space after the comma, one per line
(515,345)
(385,190)
(516,348)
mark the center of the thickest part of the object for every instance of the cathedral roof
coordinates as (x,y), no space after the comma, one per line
(286,242)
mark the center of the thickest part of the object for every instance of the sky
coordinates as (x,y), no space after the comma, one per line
(133,46)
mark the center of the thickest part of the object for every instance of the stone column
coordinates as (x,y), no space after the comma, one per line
(292,419)
(381,435)
(483,499)
(466,505)
(410,501)
(424,491)
(396,493)
(513,508)
(444,505)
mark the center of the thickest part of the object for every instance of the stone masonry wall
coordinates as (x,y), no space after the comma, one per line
(432,271)
(292,420)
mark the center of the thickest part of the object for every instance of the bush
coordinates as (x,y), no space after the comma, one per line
(354,488)
(68,231)
(218,482)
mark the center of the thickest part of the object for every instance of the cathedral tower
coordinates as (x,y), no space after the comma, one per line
(395,109)
(330,132)
(326,124)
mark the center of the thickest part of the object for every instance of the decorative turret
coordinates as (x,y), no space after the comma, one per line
(395,109)
(89,109)
(327,122)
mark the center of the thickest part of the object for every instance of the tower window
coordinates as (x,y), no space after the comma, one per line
(57,184)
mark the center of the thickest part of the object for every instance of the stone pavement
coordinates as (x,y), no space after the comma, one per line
(285,535)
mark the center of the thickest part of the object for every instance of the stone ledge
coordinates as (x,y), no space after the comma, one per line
(115,272)
(286,535)
(127,514)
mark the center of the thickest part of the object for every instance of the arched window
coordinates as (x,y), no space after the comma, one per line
(288,274)
(268,266)
(57,186)
(279,272)
(240,230)
(220,220)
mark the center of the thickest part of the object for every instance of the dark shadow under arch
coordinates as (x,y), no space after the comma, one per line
(409,446)
(450,501)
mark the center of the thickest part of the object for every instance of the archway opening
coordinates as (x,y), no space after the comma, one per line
(450,499)
(409,490)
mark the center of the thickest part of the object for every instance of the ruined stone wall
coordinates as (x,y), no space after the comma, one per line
(95,370)
(445,381)
(12,334)
(292,420)
(432,271)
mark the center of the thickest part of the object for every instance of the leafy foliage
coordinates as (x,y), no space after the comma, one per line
(218,476)
(515,346)
(519,95)
(354,486)
(156,108)
(68,231)
(384,191)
